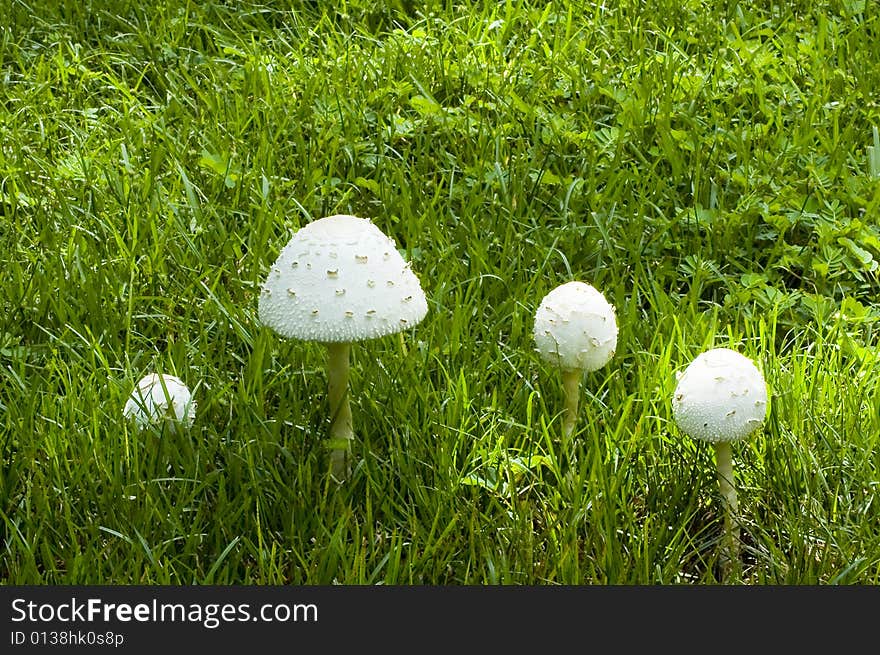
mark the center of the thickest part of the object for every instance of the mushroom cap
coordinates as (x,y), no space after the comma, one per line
(575,327)
(341,279)
(721,396)
(149,404)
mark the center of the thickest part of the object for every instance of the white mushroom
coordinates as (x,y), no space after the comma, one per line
(576,330)
(338,280)
(722,397)
(160,399)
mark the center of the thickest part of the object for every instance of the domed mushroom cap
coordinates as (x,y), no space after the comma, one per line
(721,396)
(158,398)
(341,279)
(575,327)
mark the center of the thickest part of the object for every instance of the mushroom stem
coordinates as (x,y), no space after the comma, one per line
(571,383)
(730,564)
(341,433)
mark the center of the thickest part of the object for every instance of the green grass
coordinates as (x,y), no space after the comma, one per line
(713,167)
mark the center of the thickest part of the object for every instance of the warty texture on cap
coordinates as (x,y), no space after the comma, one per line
(340,279)
(575,327)
(721,396)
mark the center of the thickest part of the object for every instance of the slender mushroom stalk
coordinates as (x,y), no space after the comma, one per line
(576,330)
(721,398)
(339,280)
(571,386)
(730,562)
(341,432)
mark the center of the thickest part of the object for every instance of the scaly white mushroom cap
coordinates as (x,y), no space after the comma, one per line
(721,396)
(156,400)
(341,279)
(575,327)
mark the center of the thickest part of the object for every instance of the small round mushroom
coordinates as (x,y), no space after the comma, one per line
(161,399)
(575,330)
(721,398)
(339,280)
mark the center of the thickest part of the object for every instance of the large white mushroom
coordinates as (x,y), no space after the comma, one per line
(721,398)
(160,399)
(575,330)
(338,280)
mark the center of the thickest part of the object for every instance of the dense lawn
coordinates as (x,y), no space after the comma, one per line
(712,166)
